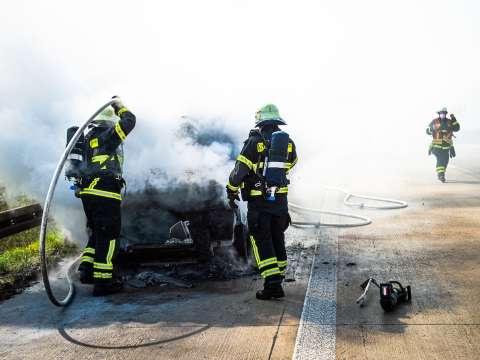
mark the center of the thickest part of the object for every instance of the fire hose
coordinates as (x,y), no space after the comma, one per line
(46,209)
(364,221)
(297,208)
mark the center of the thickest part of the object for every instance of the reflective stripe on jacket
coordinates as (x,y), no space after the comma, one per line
(442,132)
(102,175)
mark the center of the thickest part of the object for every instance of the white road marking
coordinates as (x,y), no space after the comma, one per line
(316,337)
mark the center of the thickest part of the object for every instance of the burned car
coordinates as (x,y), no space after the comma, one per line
(180,222)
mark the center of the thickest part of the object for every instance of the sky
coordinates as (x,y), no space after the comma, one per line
(347,76)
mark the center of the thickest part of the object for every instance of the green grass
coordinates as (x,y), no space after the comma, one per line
(26,257)
(19,253)
(20,265)
(22,239)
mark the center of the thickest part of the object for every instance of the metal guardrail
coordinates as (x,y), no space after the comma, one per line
(14,221)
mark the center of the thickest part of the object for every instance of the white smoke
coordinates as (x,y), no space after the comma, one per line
(356,81)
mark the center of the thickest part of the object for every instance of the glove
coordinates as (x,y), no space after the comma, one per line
(452,152)
(117,104)
(232,196)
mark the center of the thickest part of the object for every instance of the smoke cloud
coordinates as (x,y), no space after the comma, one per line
(357,83)
(197,195)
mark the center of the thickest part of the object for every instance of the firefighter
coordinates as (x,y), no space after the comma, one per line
(100,192)
(267,220)
(441,129)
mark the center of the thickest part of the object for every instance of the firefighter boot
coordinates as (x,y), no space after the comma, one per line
(86,274)
(441,177)
(272,289)
(107,288)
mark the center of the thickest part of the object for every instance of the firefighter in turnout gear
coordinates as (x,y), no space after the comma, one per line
(100,191)
(260,174)
(442,129)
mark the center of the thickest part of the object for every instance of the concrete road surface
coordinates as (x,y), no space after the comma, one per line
(433,245)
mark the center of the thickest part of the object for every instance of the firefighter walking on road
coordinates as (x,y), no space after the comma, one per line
(260,174)
(100,190)
(442,129)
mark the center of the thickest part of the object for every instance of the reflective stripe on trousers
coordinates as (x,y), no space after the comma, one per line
(104,270)
(267,267)
(88,254)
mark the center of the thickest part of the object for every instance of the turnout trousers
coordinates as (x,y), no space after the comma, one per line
(268,242)
(443,157)
(103,227)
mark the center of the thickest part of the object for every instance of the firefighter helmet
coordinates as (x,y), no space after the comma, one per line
(442,111)
(268,115)
(107,114)
(106,118)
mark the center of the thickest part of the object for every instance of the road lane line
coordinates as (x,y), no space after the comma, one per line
(316,336)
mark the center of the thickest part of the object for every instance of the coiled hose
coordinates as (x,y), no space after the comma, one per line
(46,209)
(364,221)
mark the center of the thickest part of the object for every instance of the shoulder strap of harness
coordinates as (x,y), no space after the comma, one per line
(256,133)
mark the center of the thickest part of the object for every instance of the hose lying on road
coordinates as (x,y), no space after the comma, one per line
(46,209)
(297,208)
(395,204)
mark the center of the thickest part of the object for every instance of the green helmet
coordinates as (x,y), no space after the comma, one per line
(268,115)
(443,110)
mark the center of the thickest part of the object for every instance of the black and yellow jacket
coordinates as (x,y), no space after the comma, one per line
(249,165)
(102,173)
(442,132)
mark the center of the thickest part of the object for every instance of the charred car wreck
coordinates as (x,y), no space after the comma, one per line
(183,222)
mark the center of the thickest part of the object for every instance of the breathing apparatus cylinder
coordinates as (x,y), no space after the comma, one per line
(76,157)
(275,169)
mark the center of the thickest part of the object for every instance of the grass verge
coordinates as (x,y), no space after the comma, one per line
(19,253)
(19,265)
